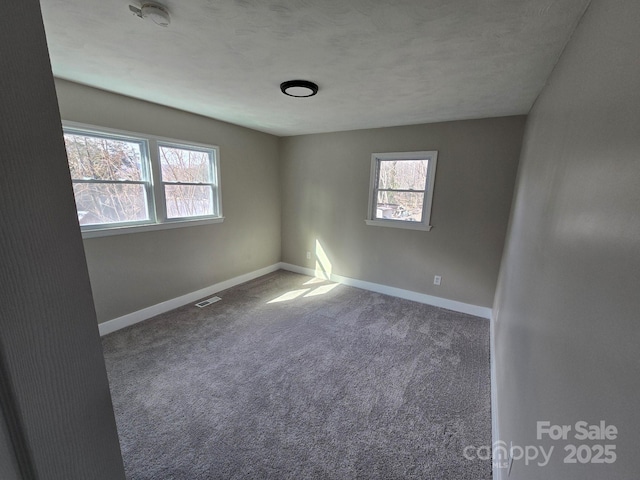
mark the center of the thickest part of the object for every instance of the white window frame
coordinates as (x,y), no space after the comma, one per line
(214,179)
(376,158)
(153,182)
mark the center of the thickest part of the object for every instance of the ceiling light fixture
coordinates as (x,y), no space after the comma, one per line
(299,88)
(154,12)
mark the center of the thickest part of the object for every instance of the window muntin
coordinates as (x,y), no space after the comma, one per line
(401,189)
(125,182)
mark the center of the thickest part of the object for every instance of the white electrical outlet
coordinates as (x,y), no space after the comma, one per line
(308,255)
(437,280)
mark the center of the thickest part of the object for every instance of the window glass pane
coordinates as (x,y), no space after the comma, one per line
(184,165)
(110,203)
(403,174)
(188,200)
(98,158)
(405,206)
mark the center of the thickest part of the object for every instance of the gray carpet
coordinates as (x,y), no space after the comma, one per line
(337,383)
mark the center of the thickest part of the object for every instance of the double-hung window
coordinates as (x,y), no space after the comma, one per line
(401,189)
(125,182)
(189,186)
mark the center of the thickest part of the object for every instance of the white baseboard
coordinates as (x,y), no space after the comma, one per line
(454,305)
(146,313)
(495,427)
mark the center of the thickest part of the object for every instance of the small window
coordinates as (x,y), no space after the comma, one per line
(123,181)
(188,181)
(401,189)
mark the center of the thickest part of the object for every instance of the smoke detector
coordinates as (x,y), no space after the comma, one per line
(158,14)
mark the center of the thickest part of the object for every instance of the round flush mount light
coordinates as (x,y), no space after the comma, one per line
(299,88)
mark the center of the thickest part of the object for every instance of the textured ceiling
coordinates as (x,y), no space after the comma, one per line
(378,63)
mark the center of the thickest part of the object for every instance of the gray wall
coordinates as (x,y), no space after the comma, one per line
(54,396)
(568,300)
(9,468)
(325,185)
(134,271)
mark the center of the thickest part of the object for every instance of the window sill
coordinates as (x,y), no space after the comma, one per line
(107,232)
(399,224)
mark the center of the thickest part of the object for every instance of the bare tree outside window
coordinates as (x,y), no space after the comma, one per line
(401,189)
(109,180)
(401,186)
(187,178)
(124,181)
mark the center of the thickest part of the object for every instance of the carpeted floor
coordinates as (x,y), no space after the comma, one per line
(325,382)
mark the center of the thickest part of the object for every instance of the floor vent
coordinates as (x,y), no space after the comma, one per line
(208,302)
